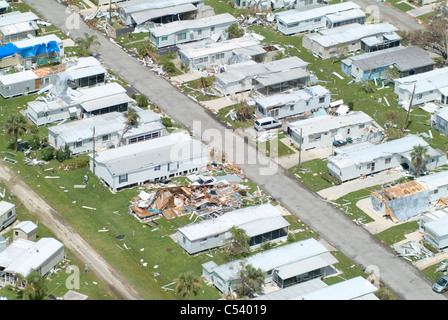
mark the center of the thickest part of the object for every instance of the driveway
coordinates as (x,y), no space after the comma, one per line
(353,241)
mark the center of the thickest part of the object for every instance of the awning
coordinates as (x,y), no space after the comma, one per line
(306,265)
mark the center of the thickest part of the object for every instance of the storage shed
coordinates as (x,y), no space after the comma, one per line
(25,230)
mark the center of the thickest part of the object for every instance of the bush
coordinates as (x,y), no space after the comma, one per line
(48,153)
(169,67)
(167,122)
(328,177)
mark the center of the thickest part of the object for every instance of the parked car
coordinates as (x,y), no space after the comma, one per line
(267,123)
(441,285)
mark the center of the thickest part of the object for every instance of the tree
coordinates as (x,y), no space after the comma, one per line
(235,31)
(240,242)
(16,125)
(35,142)
(34,287)
(187,284)
(47,153)
(62,153)
(87,42)
(132,118)
(249,280)
(169,67)
(142,101)
(419,154)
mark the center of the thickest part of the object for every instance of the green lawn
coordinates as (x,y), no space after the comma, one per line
(310,173)
(397,233)
(403,6)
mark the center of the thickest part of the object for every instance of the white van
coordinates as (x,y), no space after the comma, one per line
(267,123)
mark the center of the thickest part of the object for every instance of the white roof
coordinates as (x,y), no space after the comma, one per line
(293,96)
(38,40)
(438,226)
(426,81)
(26,226)
(147,154)
(21,256)
(345,15)
(18,77)
(6,206)
(274,258)
(291,16)
(107,123)
(434,181)
(144,5)
(326,123)
(293,291)
(206,47)
(143,16)
(351,289)
(18,28)
(248,219)
(184,25)
(17,17)
(371,152)
(350,33)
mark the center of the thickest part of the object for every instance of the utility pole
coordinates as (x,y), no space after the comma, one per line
(94,152)
(300,148)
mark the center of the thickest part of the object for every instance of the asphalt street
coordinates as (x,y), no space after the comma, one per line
(352,240)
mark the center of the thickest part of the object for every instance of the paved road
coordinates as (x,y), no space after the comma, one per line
(72,240)
(352,240)
(388,13)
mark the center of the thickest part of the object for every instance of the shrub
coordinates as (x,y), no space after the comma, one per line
(167,122)
(47,153)
(328,177)
(169,67)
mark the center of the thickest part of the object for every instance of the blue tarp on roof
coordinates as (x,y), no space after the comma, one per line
(39,49)
(28,52)
(8,50)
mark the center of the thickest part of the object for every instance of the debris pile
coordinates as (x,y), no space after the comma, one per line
(206,194)
(413,249)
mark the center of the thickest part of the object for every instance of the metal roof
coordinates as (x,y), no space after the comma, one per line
(17,77)
(434,180)
(17,17)
(18,28)
(291,97)
(143,5)
(22,256)
(439,226)
(38,40)
(294,290)
(6,206)
(326,123)
(292,16)
(426,81)
(274,258)
(255,220)
(351,289)
(143,16)
(147,154)
(186,25)
(345,15)
(350,33)
(26,226)
(83,72)
(303,266)
(104,102)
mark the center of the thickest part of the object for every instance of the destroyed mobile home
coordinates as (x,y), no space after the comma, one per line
(205,195)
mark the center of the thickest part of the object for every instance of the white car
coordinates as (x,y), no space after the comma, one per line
(267,123)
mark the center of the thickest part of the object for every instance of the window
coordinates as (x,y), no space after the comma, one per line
(123,178)
(321,99)
(157,168)
(212,29)
(78,144)
(165,38)
(387,161)
(291,108)
(419,96)
(106,137)
(361,126)
(199,31)
(181,36)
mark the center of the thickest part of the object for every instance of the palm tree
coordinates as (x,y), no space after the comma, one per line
(87,42)
(187,284)
(419,155)
(250,280)
(132,118)
(16,125)
(34,287)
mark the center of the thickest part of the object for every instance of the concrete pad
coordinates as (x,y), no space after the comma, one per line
(421,10)
(380,223)
(338,191)
(189,76)
(293,159)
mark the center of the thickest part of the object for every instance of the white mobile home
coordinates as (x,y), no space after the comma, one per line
(326,43)
(204,53)
(178,32)
(296,21)
(17,25)
(293,103)
(323,131)
(149,161)
(83,102)
(429,86)
(434,226)
(262,223)
(22,256)
(364,158)
(142,11)
(440,120)
(274,76)
(7,214)
(437,185)
(104,131)
(285,266)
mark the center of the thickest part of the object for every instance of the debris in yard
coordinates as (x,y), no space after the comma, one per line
(413,249)
(443,267)
(79,186)
(120,237)
(90,208)
(6,159)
